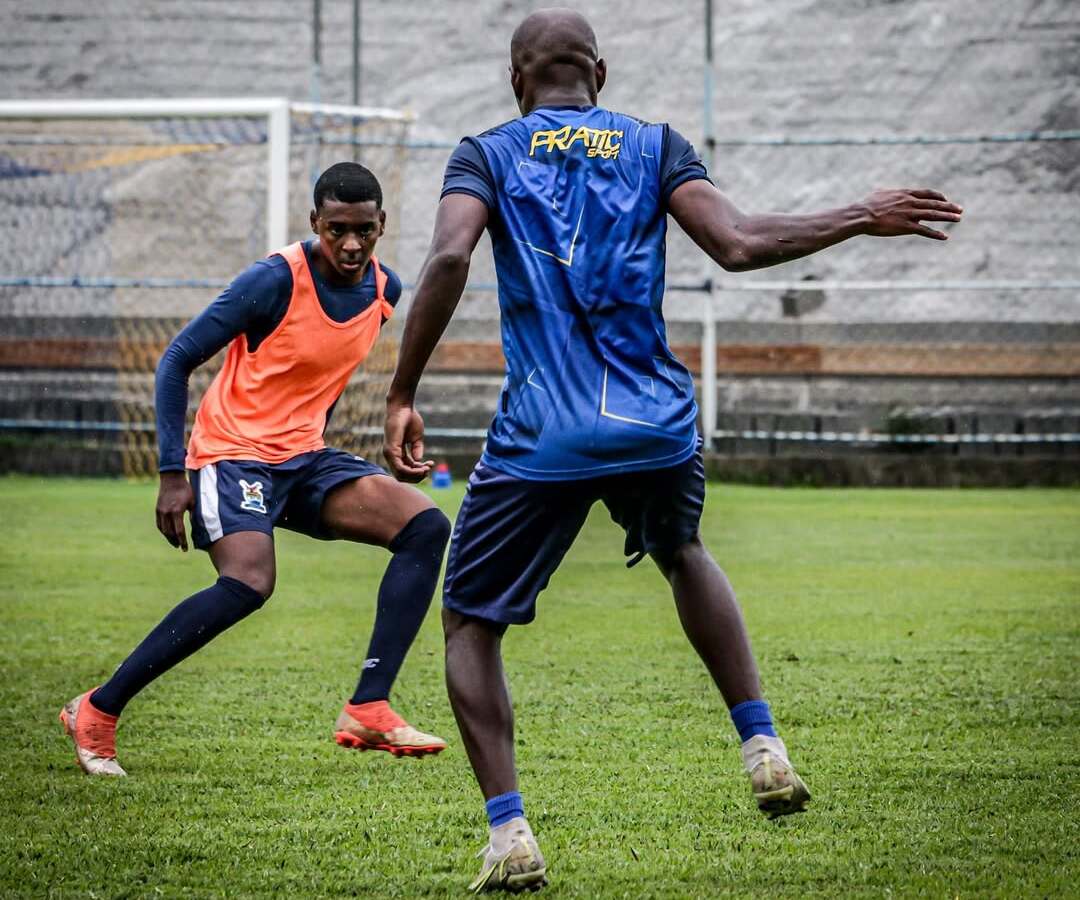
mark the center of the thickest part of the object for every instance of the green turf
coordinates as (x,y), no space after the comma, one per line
(920,650)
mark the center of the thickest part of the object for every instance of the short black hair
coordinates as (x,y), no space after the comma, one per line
(348,182)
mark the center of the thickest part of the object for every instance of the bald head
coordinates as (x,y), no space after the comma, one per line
(554,58)
(553,34)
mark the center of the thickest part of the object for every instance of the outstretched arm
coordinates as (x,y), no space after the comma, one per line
(740,242)
(459,222)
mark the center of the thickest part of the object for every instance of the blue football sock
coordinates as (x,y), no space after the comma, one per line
(404,597)
(190,625)
(752,718)
(503,808)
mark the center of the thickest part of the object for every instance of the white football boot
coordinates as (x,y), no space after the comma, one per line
(777,788)
(512,860)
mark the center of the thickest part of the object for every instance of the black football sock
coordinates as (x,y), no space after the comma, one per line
(404,597)
(191,625)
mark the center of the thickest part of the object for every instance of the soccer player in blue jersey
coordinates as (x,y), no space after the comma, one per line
(297,324)
(594,406)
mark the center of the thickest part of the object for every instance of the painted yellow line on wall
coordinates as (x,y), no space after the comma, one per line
(128,156)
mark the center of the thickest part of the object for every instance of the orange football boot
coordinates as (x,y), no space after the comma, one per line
(375,726)
(94,735)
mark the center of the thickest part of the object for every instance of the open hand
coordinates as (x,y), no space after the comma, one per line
(403,443)
(899,212)
(175,498)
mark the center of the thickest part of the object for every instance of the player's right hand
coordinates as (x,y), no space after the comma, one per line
(897,212)
(175,497)
(403,443)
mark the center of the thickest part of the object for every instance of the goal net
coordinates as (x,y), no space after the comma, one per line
(120,220)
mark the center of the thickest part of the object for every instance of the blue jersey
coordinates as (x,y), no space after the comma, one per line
(577,218)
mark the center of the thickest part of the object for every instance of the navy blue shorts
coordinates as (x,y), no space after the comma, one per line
(511,534)
(247,495)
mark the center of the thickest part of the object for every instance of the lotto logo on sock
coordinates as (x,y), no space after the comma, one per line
(253,496)
(371,663)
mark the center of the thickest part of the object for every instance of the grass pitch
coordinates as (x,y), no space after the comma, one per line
(919,649)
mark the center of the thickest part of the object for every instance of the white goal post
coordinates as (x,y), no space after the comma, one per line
(119,217)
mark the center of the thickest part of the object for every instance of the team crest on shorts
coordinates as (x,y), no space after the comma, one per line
(253,496)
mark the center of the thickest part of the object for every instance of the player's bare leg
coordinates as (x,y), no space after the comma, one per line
(711,617)
(372,510)
(386,513)
(480,697)
(713,621)
(246,568)
(247,556)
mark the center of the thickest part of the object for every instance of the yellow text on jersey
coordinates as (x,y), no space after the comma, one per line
(597,141)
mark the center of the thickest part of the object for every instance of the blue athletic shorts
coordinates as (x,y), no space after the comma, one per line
(511,534)
(247,495)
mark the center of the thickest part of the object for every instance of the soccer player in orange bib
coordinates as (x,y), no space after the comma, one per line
(297,325)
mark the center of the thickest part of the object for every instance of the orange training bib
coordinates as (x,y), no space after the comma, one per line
(271,405)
